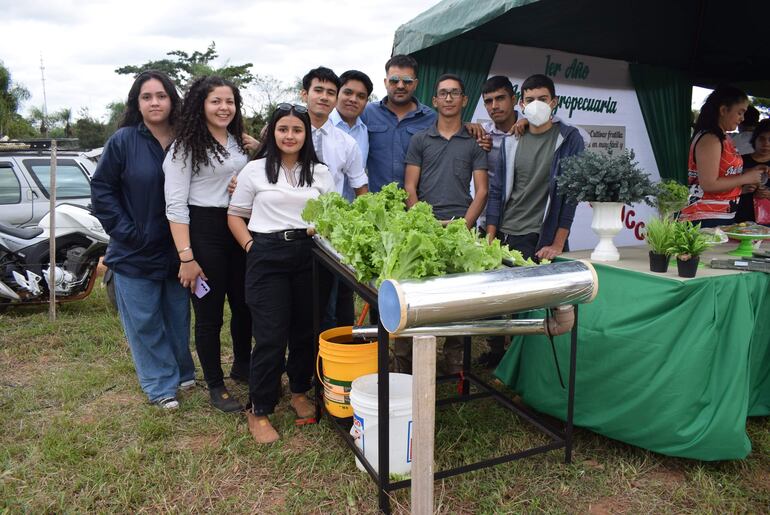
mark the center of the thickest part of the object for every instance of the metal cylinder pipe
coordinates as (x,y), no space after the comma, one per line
(476,296)
(474,328)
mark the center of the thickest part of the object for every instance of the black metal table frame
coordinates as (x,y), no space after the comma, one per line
(559,438)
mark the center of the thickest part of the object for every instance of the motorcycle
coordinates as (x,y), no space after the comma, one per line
(25,258)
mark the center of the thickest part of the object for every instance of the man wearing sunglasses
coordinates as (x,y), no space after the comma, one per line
(440,163)
(393,121)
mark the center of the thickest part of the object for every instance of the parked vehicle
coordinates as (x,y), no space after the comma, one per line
(25,179)
(25,258)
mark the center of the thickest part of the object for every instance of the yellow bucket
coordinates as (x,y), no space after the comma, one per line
(343,362)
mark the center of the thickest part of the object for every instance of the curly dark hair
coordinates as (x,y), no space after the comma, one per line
(132,116)
(269,150)
(193,135)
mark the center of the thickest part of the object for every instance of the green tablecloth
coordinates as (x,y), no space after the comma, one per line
(674,366)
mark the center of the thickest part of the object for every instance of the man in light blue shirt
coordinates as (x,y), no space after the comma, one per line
(392,121)
(351,101)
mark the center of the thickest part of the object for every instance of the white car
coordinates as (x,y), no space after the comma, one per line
(25,179)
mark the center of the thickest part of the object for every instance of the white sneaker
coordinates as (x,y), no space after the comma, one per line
(168,403)
(186,385)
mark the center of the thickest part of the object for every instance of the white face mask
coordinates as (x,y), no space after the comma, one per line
(537,113)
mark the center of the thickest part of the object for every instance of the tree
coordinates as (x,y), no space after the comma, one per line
(116,110)
(269,93)
(91,133)
(20,128)
(37,116)
(64,116)
(11,97)
(184,68)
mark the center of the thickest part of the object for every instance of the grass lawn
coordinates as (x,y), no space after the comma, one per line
(76,435)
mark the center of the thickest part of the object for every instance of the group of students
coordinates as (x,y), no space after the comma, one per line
(161,190)
(191,217)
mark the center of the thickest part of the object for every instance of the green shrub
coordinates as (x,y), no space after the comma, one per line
(687,241)
(596,177)
(660,234)
(671,197)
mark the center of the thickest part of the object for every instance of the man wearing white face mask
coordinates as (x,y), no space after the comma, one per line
(525,209)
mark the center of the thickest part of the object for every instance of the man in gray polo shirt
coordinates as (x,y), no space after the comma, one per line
(443,158)
(440,163)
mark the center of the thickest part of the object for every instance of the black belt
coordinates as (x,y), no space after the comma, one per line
(288,235)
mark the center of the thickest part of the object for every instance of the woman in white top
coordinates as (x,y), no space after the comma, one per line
(271,193)
(208,152)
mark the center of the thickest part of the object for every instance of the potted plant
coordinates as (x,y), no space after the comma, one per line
(607,181)
(659,236)
(671,197)
(688,243)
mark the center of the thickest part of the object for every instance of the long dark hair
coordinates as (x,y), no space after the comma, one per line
(271,153)
(708,119)
(193,136)
(132,116)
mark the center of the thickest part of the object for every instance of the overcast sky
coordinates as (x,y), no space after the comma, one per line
(83,41)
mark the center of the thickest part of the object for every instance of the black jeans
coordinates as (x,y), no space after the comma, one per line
(279,293)
(224,263)
(525,243)
(340,308)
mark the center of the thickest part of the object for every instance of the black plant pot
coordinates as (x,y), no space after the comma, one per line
(687,268)
(658,262)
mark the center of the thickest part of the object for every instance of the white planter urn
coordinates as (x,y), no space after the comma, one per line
(606,223)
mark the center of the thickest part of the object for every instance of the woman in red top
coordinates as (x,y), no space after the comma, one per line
(716,174)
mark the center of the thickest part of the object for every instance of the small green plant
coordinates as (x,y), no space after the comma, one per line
(598,177)
(688,242)
(671,197)
(660,234)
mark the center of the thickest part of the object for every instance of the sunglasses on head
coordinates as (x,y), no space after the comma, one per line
(406,79)
(288,107)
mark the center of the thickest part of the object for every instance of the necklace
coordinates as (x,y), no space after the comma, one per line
(291,175)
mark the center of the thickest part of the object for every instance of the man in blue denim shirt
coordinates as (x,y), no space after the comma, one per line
(392,122)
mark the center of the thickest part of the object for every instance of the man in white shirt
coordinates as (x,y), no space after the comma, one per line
(340,152)
(334,147)
(355,89)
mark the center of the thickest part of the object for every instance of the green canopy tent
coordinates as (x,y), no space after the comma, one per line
(670,45)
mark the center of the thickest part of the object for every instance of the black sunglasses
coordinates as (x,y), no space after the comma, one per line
(284,106)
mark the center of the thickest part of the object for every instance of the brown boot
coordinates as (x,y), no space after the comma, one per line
(261,429)
(302,405)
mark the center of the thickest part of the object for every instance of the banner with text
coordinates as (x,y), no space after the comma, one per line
(597,95)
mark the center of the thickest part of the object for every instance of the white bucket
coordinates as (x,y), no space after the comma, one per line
(363,399)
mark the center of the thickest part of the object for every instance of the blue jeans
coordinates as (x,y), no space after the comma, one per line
(156,319)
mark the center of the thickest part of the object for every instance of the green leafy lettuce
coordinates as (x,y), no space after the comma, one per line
(380,239)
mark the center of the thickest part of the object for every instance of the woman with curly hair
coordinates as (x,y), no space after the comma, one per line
(265,218)
(208,152)
(127,198)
